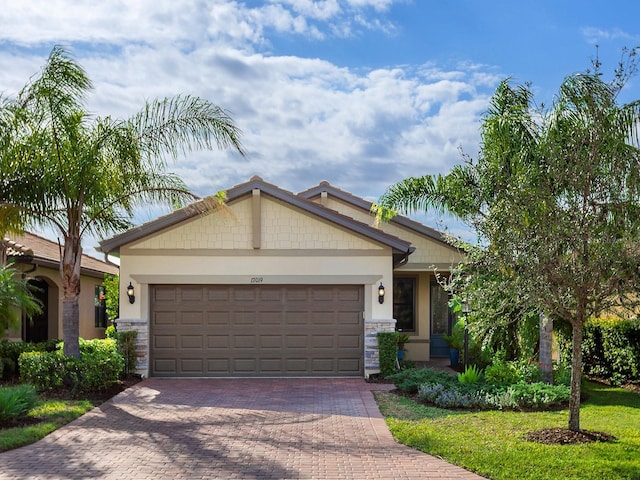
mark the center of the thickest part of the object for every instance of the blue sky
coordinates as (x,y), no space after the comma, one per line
(362,93)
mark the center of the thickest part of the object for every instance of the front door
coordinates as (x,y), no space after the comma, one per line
(37,327)
(441,320)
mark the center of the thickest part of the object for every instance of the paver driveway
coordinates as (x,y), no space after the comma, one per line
(229,428)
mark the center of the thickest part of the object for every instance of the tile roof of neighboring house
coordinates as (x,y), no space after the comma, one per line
(399,246)
(45,252)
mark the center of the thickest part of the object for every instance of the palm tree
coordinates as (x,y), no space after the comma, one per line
(554,198)
(15,298)
(80,174)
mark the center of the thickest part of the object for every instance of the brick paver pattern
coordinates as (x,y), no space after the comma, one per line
(229,429)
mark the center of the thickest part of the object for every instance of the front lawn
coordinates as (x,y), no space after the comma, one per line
(41,421)
(492,444)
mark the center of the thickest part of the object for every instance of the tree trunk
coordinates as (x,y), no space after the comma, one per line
(576,378)
(70,273)
(71,326)
(546,348)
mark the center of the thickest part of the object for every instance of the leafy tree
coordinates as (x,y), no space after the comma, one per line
(81,174)
(15,298)
(554,197)
(112,295)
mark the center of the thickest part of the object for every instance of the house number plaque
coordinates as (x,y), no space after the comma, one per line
(257,279)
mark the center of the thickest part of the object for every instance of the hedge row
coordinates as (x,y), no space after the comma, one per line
(11,351)
(99,367)
(611,350)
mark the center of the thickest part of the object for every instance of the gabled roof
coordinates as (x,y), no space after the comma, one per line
(398,245)
(31,248)
(363,204)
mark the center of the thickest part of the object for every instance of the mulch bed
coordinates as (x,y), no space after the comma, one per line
(564,436)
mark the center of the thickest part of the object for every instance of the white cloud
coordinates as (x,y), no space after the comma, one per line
(304,120)
(595,35)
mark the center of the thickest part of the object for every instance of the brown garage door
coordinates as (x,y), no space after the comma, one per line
(256,330)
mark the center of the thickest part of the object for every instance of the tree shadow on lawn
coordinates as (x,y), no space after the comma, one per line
(606,395)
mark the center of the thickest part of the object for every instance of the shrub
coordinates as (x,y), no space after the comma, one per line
(388,351)
(485,396)
(561,373)
(471,375)
(127,348)
(500,371)
(15,402)
(450,396)
(101,364)
(527,371)
(11,351)
(410,380)
(44,370)
(98,368)
(611,349)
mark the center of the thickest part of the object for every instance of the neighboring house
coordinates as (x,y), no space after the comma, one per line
(280,284)
(39,260)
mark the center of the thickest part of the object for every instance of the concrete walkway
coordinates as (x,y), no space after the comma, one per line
(230,429)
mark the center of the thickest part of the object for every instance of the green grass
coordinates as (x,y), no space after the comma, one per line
(52,414)
(492,444)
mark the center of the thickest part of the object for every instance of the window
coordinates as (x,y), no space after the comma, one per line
(100,307)
(404,304)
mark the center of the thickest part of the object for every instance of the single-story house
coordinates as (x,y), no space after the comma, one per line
(38,259)
(280,284)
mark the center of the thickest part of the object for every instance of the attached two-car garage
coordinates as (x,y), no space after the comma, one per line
(256,330)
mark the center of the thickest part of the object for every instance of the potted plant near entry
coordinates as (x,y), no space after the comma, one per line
(403,339)
(455,341)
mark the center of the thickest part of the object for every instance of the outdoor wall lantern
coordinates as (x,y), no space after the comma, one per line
(381,293)
(130,293)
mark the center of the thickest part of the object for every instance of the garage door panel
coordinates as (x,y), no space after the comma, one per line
(166,366)
(244,341)
(322,341)
(191,341)
(257,330)
(218,341)
(349,365)
(271,365)
(296,318)
(191,294)
(270,341)
(165,294)
(349,318)
(218,294)
(323,318)
(245,318)
(297,341)
(244,365)
(191,366)
(165,342)
(219,318)
(270,317)
(165,318)
(297,365)
(192,318)
(218,366)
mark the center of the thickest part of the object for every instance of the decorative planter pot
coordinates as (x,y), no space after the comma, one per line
(454,357)
(400,354)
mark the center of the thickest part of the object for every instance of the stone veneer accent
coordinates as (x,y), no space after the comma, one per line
(142,341)
(371,349)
